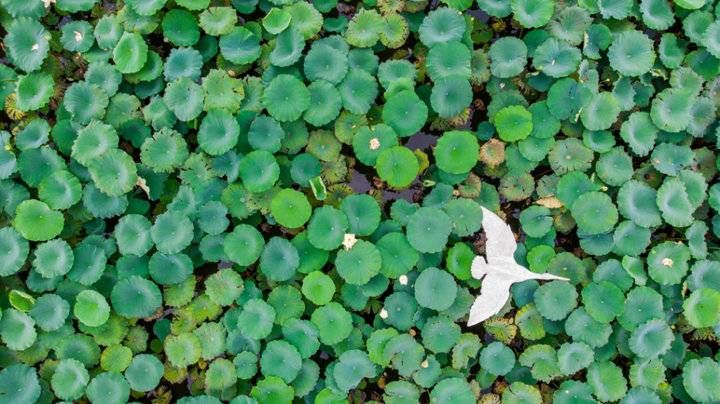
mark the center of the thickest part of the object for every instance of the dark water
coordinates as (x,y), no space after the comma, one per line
(361,175)
(421,141)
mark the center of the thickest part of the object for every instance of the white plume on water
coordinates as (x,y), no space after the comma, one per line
(500,270)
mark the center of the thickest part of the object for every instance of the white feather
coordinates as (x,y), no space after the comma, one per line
(500,270)
(494,293)
(501,244)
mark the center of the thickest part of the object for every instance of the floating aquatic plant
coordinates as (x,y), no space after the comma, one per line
(266,202)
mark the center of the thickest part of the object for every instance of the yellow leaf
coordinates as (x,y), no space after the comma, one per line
(550,202)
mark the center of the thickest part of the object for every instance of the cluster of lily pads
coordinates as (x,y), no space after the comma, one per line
(210,201)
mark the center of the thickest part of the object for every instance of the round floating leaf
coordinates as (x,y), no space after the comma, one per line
(33,91)
(442,25)
(77,36)
(614,167)
(17,330)
(358,264)
(669,159)
(674,202)
(521,393)
(398,256)
(130,53)
(171,232)
(288,48)
(290,208)
(256,319)
(631,53)
(466,216)
(182,62)
(35,221)
(305,18)
(144,372)
(671,109)
(217,20)
(272,388)
(570,24)
(324,105)
(639,132)
(325,62)
(456,152)
(536,221)
(392,71)
(448,59)
(53,258)
(259,171)
(218,133)
(286,98)
(91,308)
(370,141)
(450,96)
(279,260)
(50,312)
(497,358)
(363,214)
(93,141)
(453,389)
(607,381)
(428,229)
(135,297)
(566,98)
(108,32)
(701,379)
(19,384)
(508,57)
(146,8)
(573,357)
(280,359)
(435,289)
(556,58)
(240,46)
(69,379)
(132,235)
(603,301)
(364,29)
(513,123)
(594,213)
(243,245)
(651,339)
(333,322)
(85,102)
(27,43)
(60,190)
(636,201)
(165,151)
(701,308)
(358,91)
(405,112)
(555,300)
(600,112)
(221,374)
(327,228)
(318,288)
(398,166)
(14,248)
(21,300)
(180,28)
(532,13)
(184,98)
(114,172)
(276,20)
